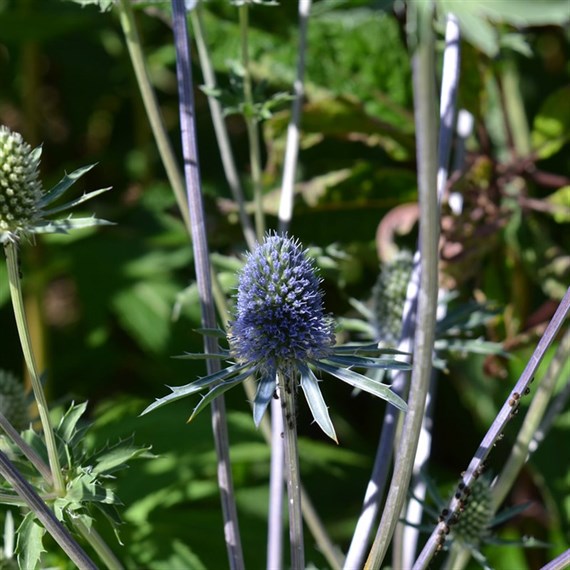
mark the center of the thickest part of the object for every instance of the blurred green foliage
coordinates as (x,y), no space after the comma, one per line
(101,303)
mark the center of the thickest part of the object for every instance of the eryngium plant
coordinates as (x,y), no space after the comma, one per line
(280,328)
(13,401)
(23,203)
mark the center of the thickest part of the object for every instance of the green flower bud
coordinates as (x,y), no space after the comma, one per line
(20,188)
(473,524)
(13,404)
(389,296)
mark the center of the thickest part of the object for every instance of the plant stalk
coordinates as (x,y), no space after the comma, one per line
(106,555)
(203,273)
(287,396)
(251,125)
(150,102)
(11,250)
(426,129)
(220,129)
(59,533)
(497,427)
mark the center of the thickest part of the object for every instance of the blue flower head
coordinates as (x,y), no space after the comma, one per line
(280,328)
(280,317)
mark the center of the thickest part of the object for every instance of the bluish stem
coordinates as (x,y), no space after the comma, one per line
(498,426)
(287,396)
(202,265)
(276,478)
(59,533)
(426,129)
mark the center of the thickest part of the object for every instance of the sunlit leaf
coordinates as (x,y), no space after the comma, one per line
(314,397)
(364,383)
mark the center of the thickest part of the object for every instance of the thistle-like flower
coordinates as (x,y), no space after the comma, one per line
(13,401)
(280,328)
(23,202)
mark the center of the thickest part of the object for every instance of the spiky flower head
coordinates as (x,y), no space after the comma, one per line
(13,404)
(280,329)
(474,523)
(389,295)
(280,316)
(20,188)
(23,202)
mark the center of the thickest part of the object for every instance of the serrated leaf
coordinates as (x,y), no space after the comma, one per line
(63,185)
(68,224)
(67,427)
(367,362)
(314,397)
(30,542)
(363,383)
(218,391)
(179,392)
(75,202)
(117,457)
(203,356)
(265,390)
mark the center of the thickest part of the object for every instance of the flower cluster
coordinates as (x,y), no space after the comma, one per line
(280,317)
(280,328)
(20,188)
(23,202)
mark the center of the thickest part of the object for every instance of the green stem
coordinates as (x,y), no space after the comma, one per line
(150,102)
(426,129)
(287,395)
(29,452)
(99,545)
(11,250)
(251,125)
(220,129)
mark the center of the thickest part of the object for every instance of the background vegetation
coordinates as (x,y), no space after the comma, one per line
(110,307)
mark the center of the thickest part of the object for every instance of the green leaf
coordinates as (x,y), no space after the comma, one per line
(68,224)
(144,311)
(103,5)
(63,185)
(67,427)
(203,356)
(30,542)
(366,362)
(478,19)
(561,200)
(218,391)
(179,392)
(551,126)
(364,383)
(115,458)
(314,397)
(75,202)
